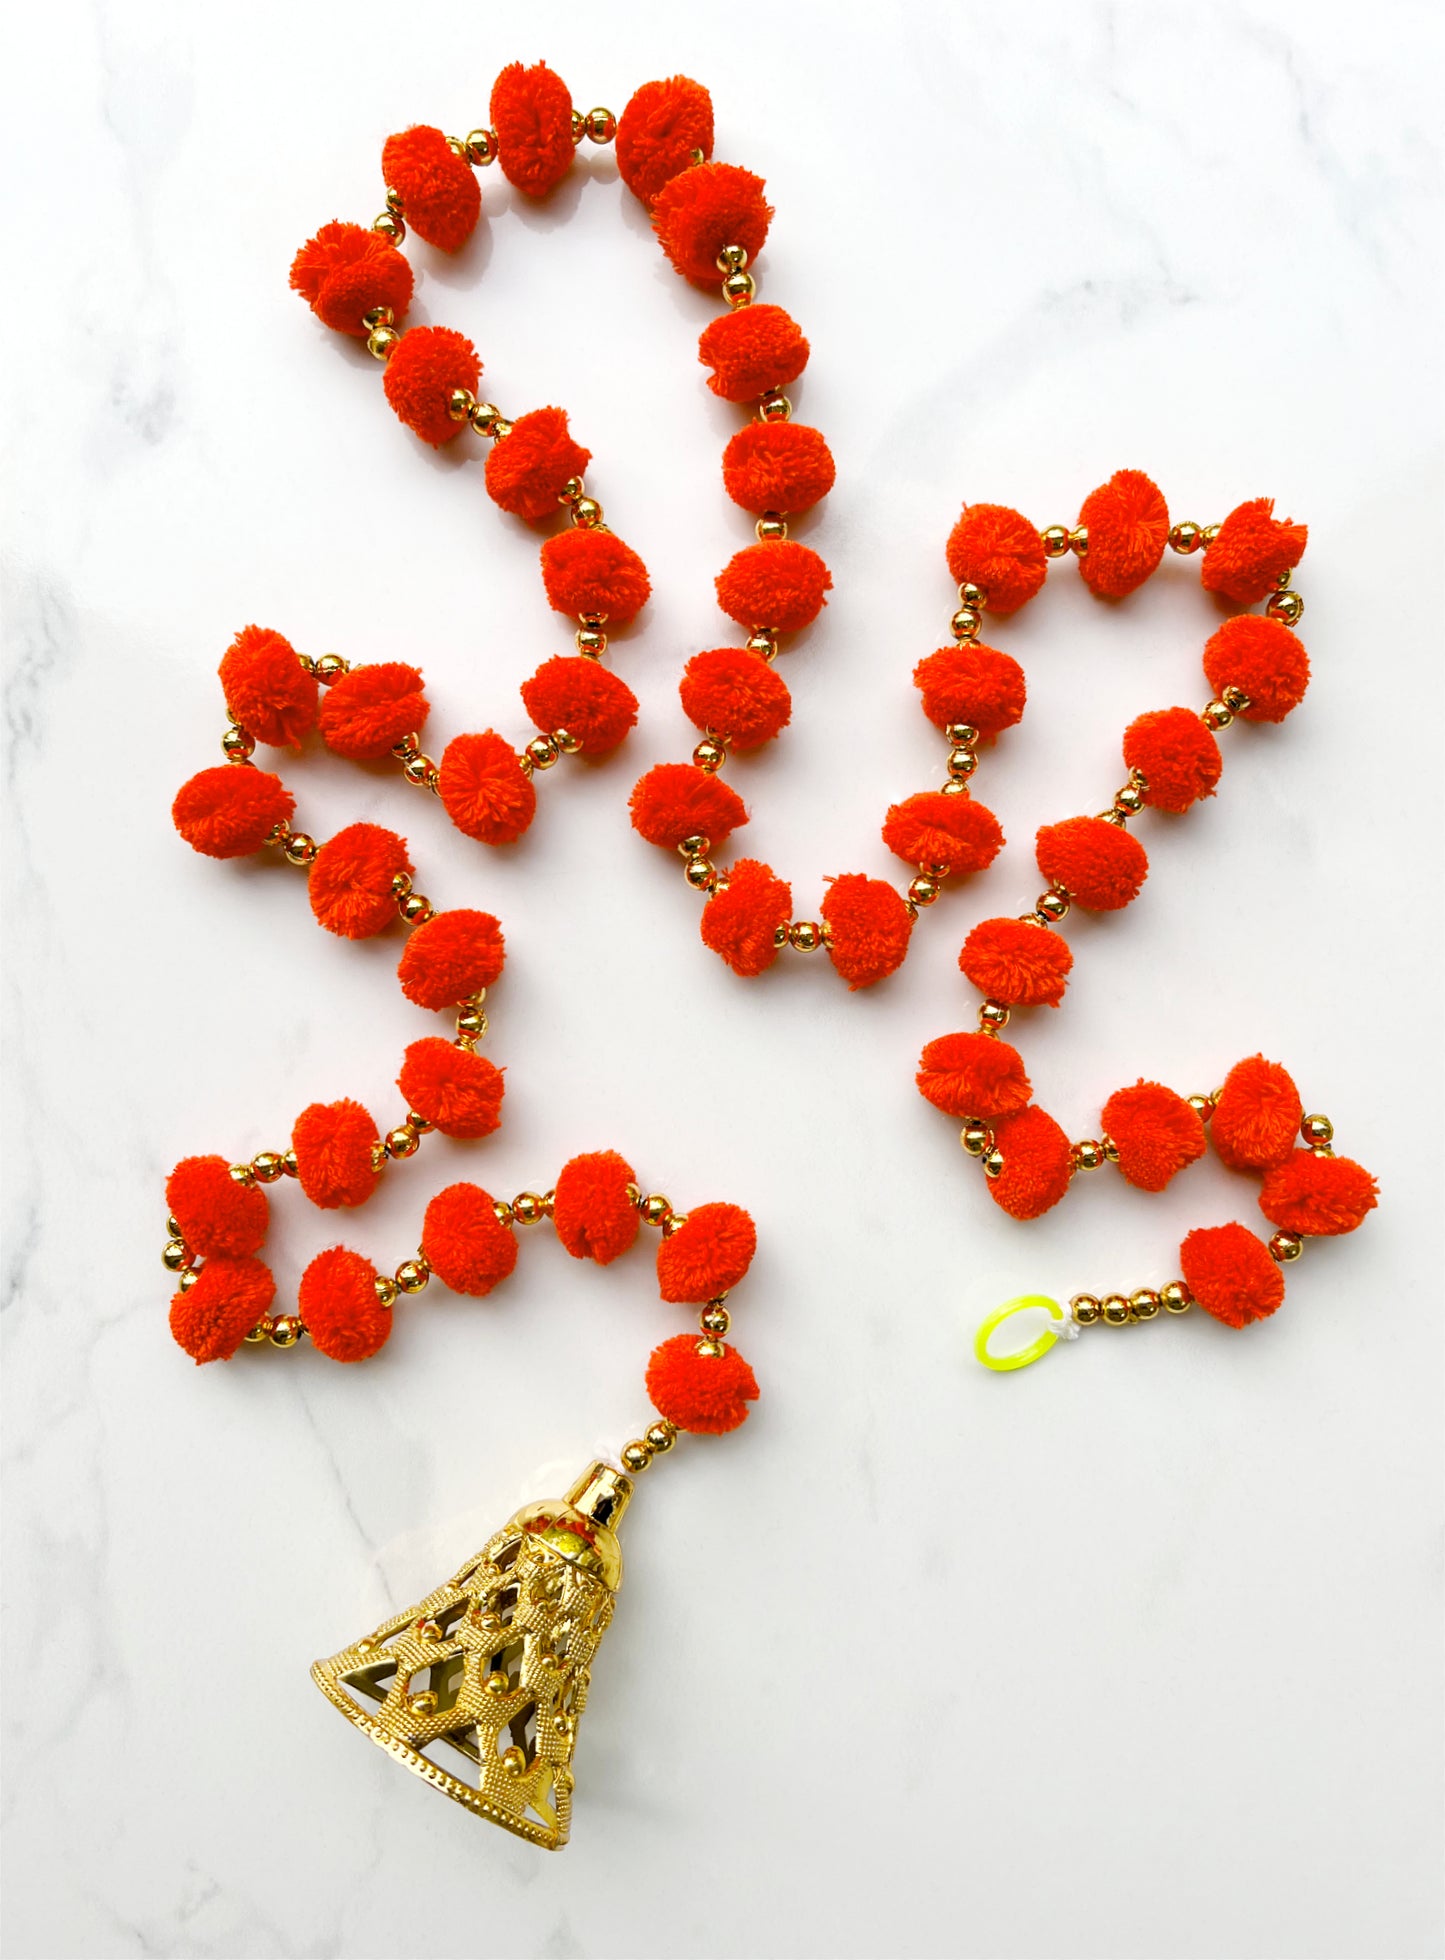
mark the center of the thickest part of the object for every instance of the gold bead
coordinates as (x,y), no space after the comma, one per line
(481,146)
(390,225)
(655,1208)
(709,754)
(1055,540)
(542,752)
(1116,1309)
(286,1331)
(267,1166)
(674,1222)
(1079,541)
(924,890)
(961,764)
(330,667)
(514,1760)
(1235,699)
(488,420)
(503,1211)
(402,1142)
(188,1278)
(973,596)
(710,1349)
(804,936)
(1089,1155)
(1111,1149)
(975,1138)
(992,1016)
(1285,1246)
(774,407)
(299,849)
(415,908)
(1217,716)
(1317,1129)
(700,874)
(290,1165)
(732,258)
(566,742)
(238,745)
(695,846)
(175,1257)
(1176,1297)
(661,1435)
(1053,904)
(375,316)
(966,623)
(771,527)
(173,1230)
(1129,800)
(243,1174)
(260,1332)
(1184,538)
(383,343)
(420,771)
(764,644)
(739,289)
(636,1455)
(591,642)
(1287,607)
(1208,535)
(1203,1106)
(400,884)
(472,1022)
(528,1208)
(587,513)
(1144,1305)
(385,1289)
(715,1319)
(601,125)
(1084,1307)
(424,1703)
(993,1163)
(460,403)
(962,734)
(413,1274)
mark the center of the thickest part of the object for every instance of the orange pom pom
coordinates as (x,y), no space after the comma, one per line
(267,689)
(753,351)
(777,466)
(1231,1274)
(593,1209)
(528,469)
(677,800)
(451,957)
(658,132)
(425,366)
(532,115)
(333,1143)
(339,1308)
(440,197)
(1263,657)
(1175,754)
(702,209)
(868,928)
(735,694)
(1098,863)
(743,916)
(971,684)
(1128,524)
(484,788)
(1322,1197)
(466,1245)
(217,1216)
(345,271)
(706,1255)
(368,711)
(1155,1131)
(1019,964)
(778,584)
(703,1387)
(972,1075)
(594,572)
(1256,1116)
(1252,553)
(996,548)
(944,832)
(350,885)
(212,1318)
(230,811)
(586,699)
(458,1093)
(1038,1161)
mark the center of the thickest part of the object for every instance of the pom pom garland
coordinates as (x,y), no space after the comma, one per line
(531,112)
(1264,659)
(212,1318)
(340,1306)
(1127,521)
(268,692)
(752,352)
(529,469)
(594,572)
(1231,1274)
(370,709)
(744,916)
(993,547)
(451,957)
(457,1092)
(217,1215)
(736,696)
(484,788)
(779,585)
(702,209)
(352,885)
(334,1145)
(1096,862)
(777,466)
(868,927)
(1252,553)
(346,272)
(658,133)
(229,811)
(426,366)
(594,1206)
(702,1386)
(440,198)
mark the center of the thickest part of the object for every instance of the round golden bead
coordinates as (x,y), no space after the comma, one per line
(992,1015)
(238,745)
(330,667)
(764,644)
(739,289)
(924,890)
(497,1684)
(400,884)
(261,1331)
(173,1228)
(1184,538)
(674,1222)
(390,226)
(286,1331)
(732,258)
(502,1210)
(966,623)
(1145,1304)
(299,849)
(804,936)
(488,420)
(695,846)
(187,1279)
(514,1760)
(1116,1309)
(1089,1155)
(460,403)
(383,343)
(962,734)
(1111,1149)
(774,407)
(655,1208)
(975,1138)
(1287,607)
(961,764)
(709,1348)
(402,1142)
(700,874)
(424,1703)
(290,1165)
(586,513)
(1176,1297)
(481,146)
(472,1022)
(709,754)
(1208,535)
(973,596)
(1084,1308)
(591,642)
(636,1455)
(267,1166)
(660,1435)
(416,909)
(528,1208)
(1285,1246)
(993,1163)
(420,771)
(1129,799)
(1079,541)
(413,1274)
(601,125)
(1055,540)
(385,1289)
(542,752)
(715,1319)
(1054,904)
(771,527)
(1235,699)
(1317,1129)
(1203,1106)
(566,742)
(243,1174)
(175,1258)
(1216,715)
(375,316)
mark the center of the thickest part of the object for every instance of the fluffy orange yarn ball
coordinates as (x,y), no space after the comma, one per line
(440,197)
(972,1075)
(777,466)
(1037,1163)
(868,928)
(532,114)
(453,956)
(267,689)
(345,271)
(350,885)
(944,832)
(528,469)
(1262,656)
(333,1143)
(1231,1274)
(1256,1116)
(212,1318)
(744,915)
(703,1390)
(231,810)
(426,365)
(1155,1131)
(1253,551)
(677,800)
(1322,1197)
(706,1255)
(218,1217)
(368,711)
(702,209)
(1177,756)
(594,572)
(1097,862)
(466,1245)
(973,684)
(777,584)
(734,693)
(996,548)
(752,351)
(338,1306)
(659,131)
(1019,964)
(458,1093)
(584,698)
(592,1206)
(1128,525)
(484,788)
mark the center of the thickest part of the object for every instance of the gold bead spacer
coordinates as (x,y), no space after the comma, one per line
(413,1274)
(923,890)
(175,1258)
(1185,538)
(1053,904)
(975,1138)
(771,527)
(1316,1130)
(1116,1310)
(299,849)
(390,226)
(1287,607)
(636,1455)
(286,1331)
(715,1319)
(966,624)
(1145,1304)
(992,1016)
(261,1331)
(1084,1307)
(660,1435)
(376,316)
(529,1208)
(655,1208)
(992,1161)
(187,1279)
(290,1165)
(415,908)
(961,764)
(1176,1297)
(566,743)
(587,514)
(382,343)
(674,1222)
(421,772)
(1235,699)
(701,874)
(805,936)
(764,643)
(243,1174)
(739,289)
(774,406)
(1285,1246)
(481,146)
(1216,715)
(710,754)
(1208,535)
(267,1166)
(962,734)
(1055,540)
(385,1289)
(237,744)
(601,125)
(541,752)
(403,1141)
(471,1024)
(1088,1155)
(1079,541)
(591,642)
(1129,800)
(695,846)
(460,403)
(488,420)
(1203,1106)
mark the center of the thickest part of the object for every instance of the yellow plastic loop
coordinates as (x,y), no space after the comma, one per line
(1005,1363)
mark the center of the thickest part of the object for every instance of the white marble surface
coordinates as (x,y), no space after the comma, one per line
(1137,1654)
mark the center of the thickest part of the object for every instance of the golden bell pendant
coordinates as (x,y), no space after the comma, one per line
(480,1687)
